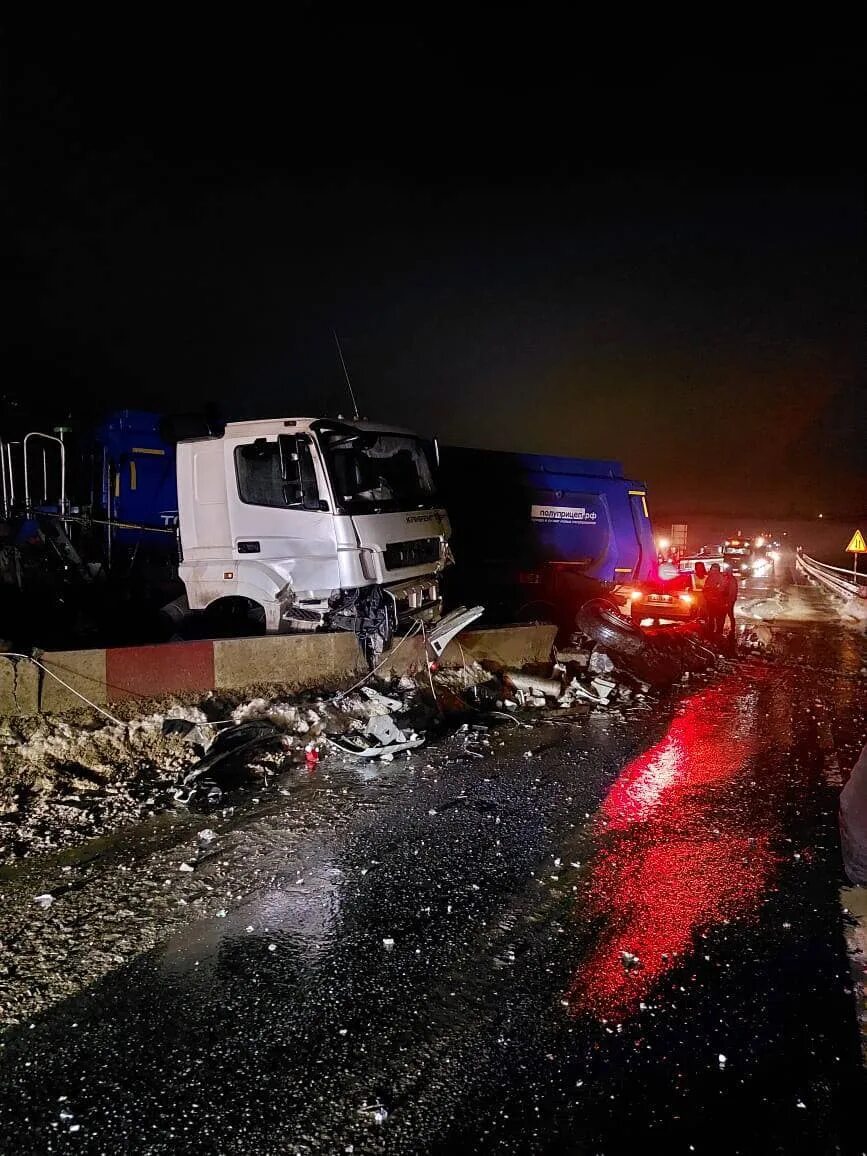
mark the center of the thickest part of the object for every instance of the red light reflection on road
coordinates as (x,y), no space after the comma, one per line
(673,865)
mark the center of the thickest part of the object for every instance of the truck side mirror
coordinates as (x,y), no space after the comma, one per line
(290,470)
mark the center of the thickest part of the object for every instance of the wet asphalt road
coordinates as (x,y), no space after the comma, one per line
(628,939)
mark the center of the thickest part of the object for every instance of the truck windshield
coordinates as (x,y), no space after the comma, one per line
(372,472)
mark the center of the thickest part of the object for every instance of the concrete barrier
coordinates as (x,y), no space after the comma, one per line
(85,670)
(507,646)
(19,687)
(292,662)
(296,661)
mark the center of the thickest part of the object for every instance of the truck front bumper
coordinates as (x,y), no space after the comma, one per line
(416,599)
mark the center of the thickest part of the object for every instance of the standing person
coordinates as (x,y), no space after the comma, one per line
(699,577)
(731,597)
(715,600)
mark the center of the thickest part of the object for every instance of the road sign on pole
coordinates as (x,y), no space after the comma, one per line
(856,546)
(679,536)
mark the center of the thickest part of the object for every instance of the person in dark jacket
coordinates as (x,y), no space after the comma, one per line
(715,593)
(730,588)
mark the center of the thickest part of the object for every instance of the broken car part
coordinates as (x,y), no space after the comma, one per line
(446,629)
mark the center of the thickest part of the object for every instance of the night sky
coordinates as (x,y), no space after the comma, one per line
(664,266)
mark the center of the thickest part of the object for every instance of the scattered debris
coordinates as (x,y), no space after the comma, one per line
(362,748)
(451,625)
(534,685)
(377,1113)
(382,701)
(603,687)
(599,662)
(66,781)
(227,763)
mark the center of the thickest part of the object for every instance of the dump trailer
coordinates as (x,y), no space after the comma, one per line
(539,534)
(278,524)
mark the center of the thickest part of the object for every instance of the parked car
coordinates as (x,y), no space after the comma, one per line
(671,601)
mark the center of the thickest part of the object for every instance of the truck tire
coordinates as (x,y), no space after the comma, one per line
(601,621)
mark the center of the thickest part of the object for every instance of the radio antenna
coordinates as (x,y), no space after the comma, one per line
(346,375)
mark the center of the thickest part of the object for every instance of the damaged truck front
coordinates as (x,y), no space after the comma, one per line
(317,522)
(145,524)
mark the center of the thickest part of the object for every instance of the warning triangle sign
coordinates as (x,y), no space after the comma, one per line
(857,545)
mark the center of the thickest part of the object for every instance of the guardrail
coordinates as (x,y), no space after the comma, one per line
(831,577)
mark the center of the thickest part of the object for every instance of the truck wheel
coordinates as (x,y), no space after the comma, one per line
(601,621)
(235,618)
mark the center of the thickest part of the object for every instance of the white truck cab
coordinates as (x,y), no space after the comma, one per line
(318,521)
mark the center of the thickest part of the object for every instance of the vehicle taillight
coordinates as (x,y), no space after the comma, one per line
(635,595)
(687,598)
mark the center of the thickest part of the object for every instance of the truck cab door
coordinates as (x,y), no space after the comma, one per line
(279,512)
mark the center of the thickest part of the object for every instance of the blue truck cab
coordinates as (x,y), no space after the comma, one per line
(534,535)
(134,478)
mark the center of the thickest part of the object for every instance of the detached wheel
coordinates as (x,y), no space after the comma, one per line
(601,621)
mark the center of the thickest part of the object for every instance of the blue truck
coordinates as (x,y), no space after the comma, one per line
(536,535)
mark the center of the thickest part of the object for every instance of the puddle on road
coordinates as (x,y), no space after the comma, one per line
(690,840)
(671,863)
